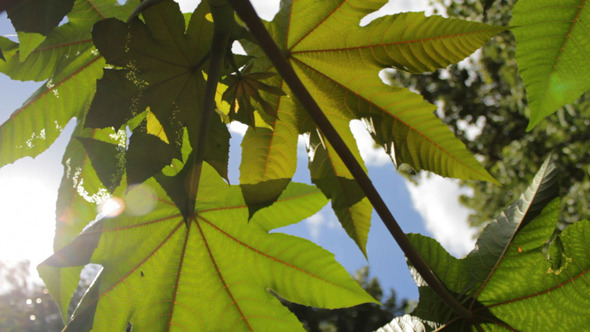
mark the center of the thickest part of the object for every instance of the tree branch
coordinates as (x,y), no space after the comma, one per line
(221,13)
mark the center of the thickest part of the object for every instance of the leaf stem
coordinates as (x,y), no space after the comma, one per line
(248,15)
(221,33)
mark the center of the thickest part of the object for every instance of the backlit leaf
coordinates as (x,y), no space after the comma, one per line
(70,64)
(29,41)
(339,62)
(408,41)
(80,194)
(511,276)
(164,268)
(107,159)
(146,156)
(348,200)
(552,47)
(243,90)
(162,67)
(269,156)
(400,120)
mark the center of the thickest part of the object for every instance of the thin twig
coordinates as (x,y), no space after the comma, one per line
(248,15)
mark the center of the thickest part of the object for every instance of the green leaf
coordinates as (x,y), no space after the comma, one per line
(164,268)
(61,270)
(81,189)
(526,281)
(86,308)
(146,156)
(398,119)
(308,198)
(176,188)
(65,45)
(34,127)
(28,43)
(560,293)
(243,88)
(61,284)
(497,236)
(260,195)
(162,66)
(269,153)
(408,41)
(552,46)
(269,156)
(141,7)
(38,16)
(80,194)
(322,38)
(217,153)
(115,101)
(107,159)
(69,61)
(348,200)
(508,277)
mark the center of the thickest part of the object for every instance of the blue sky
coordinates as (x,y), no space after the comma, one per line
(28,190)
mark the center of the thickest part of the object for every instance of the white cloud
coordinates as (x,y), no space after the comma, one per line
(266,9)
(314,225)
(436,199)
(237,127)
(317,223)
(187,6)
(400,6)
(372,155)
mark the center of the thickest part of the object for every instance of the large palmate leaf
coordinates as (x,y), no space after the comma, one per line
(218,272)
(513,274)
(408,41)
(339,62)
(160,66)
(68,61)
(552,51)
(528,290)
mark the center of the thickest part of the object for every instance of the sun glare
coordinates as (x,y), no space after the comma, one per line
(111,208)
(139,200)
(27,210)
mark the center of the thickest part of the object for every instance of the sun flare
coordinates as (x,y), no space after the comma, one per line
(27,207)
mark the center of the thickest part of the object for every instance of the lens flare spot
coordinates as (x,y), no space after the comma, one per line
(112,207)
(140,200)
